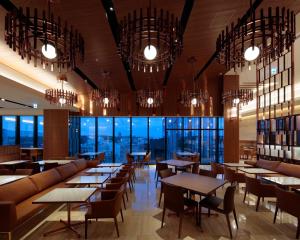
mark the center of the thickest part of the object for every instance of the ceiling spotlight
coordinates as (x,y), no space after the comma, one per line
(35,105)
(251,53)
(2,99)
(49,51)
(150,52)
(150,100)
(194,101)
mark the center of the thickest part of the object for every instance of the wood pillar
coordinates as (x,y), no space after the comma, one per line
(231,125)
(56,133)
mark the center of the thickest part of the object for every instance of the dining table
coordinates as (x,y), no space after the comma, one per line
(257,171)
(5,179)
(178,164)
(102,170)
(186,154)
(90,155)
(110,165)
(32,152)
(88,180)
(59,161)
(284,181)
(237,165)
(13,164)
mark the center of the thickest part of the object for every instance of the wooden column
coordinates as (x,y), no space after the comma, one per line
(56,133)
(231,125)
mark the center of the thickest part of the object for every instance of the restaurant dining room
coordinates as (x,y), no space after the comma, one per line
(148,120)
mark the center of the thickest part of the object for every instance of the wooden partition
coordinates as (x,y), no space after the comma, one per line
(56,133)
(9,153)
(231,124)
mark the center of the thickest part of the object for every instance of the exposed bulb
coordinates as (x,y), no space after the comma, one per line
(105,100)
(150,52)
(236,101)
(194,101)
(50,53)
(62,101)
(150,101)
(251,53)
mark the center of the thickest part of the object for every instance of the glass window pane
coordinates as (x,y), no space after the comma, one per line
(157,137)
(122,138)
(221,146)
(87,134)
(208,146)
(221,123)
(139,134)
(74,135)
(191,123)
(40,131)
(105,137)
(191,141)
(26,131)
(174,142)
(174,123)
(9,130)
(209,123)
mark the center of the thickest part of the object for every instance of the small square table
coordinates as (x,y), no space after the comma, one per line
(237,165)
(110,165)
(178,163)
(103,170)
(257,171)
(186,154)
(88,180)
(205,167)
(67,196)
(13,163)
(284,181)
(60,162)
(5,179)
(89,155)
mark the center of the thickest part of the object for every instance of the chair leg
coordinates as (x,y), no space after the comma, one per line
(126,194)
(163,217)
(124,201)
(257,203)
(160,196)
(236,222)
(245,196)
(180,225)
(228,223)
(122,215)
(116,224)
(275,215)
(85,228)
(298,229)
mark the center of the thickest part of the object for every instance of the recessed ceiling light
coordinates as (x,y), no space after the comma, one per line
(35,105)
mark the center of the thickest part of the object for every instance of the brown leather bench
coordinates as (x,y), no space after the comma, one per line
(16,198)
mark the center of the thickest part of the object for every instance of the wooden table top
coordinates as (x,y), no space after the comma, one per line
(237,165)
(60,162)
(178,163)
(138,153)
(66,195)
(5,179)
(284,180)
(186,154)
(194,182)
(14,162)
(110,165)
(85,180)
(90,154)
(257,171)
(205,167)
(107,170)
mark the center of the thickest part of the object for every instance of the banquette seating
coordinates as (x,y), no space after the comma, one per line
(16,206)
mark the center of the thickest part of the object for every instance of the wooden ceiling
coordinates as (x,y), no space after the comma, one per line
(208,18)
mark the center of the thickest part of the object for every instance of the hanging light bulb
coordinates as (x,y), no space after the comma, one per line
(150,52)
(150,100)
(251,53)
(49,51)
(236,101)
(62,101)
(194,101)
(105,100)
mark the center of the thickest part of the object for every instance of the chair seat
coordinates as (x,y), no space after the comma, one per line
(211,202)
(190,202)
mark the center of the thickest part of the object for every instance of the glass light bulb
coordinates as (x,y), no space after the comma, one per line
(236,101)
(50,53)
(150,52)
(62,101)
(150,100)
(105,100)
(194,101)
(251,53)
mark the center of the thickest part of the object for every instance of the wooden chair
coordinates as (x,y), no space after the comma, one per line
(23,172)
(195,168)
(257,188)
(109,206)
(164,174)
(213,203)
(175,201)
(157,160)
(49,166)
(126,173)
(207,173)
(122,180)
(159,167)
(120,186)
(233,176)
(217,168)
(35,166)
(146,159)
(288,202)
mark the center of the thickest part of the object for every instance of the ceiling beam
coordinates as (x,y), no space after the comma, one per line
(9,6)
(215,54)
(114,27)
(185,15)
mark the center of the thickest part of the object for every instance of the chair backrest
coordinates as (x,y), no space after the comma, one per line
(23,172)
(229,174)
(5,171)
(165,173)
(161,166)
(288,201)
(49,166)
(216,168)
(195,158)
(207,173)
(195,168)
(253,185)
(35,166)
(102,156)
(229,199)
(129,158)
(173,198)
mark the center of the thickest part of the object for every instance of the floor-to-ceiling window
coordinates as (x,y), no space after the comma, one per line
(174,136)
(209,140)
(122,138)
(191,134)
(26,131)
(9,124)
(157,137)
(139,134)
(87,134)
(105,137)
(40,131)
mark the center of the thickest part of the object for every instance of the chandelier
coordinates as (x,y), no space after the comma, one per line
(150,40)
(195,97)
(105,98)
(150,98)
(42,38)
(239,97)
(262,36)
(61,96)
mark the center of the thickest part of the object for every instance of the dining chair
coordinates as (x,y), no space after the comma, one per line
(288,202)
(164,174)
(195,168)
(146,160)
(122,180)
(213,203)
(126,173)
(117,186)
(157,160)
(207,173)
(232,176)
(108,206)
(175,201)
(23,172)
(35,166)
(217,169)
(259,189)
(130,159)
(4,171)
(160,167)
(49,166)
